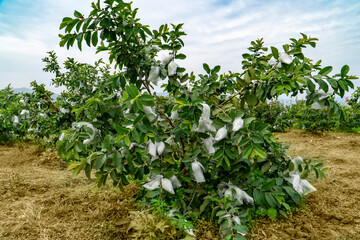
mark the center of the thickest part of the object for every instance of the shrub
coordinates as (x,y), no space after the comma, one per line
(196,142)
(196,150)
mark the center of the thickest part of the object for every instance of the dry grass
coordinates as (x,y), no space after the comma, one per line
(39,199)
(333,211)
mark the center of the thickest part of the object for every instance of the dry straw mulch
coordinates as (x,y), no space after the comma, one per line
(333,211)
(39,199)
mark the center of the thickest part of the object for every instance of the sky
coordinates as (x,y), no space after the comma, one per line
(218,32)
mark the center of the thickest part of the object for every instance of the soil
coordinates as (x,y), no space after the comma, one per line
(39,199)
(333,211)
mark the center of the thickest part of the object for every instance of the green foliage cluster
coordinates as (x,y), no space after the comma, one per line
(354,101)
(24,114)
(275,114)
(199,151)
(149,226)
(302,116)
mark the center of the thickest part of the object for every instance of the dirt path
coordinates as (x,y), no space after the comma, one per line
(333,212)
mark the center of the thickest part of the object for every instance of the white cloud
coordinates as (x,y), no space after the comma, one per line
(17,46)
(218,32)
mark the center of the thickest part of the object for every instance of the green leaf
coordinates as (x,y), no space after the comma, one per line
(246,56)
(350,84)
(63,42)
(259,151)
(117,160)
(325,70)
(294,195)
(304,174)
(219,162)
(206,68)
(220,213)
(94,24)
(225,118)
(206,202)
(275,52)
(147,100)
(180,56)
(270,200)
(137,119)
(139,104)
(252,72)
(150,135)
(78,26)
(310,85)
(101,180)
(291,166)
(272,213)
(244,141)
(78,169)
(108,143)
(94,39)
(216,69)
(121,130)
(266,167)
(135,135)
(100,161)
(268,186)
(127,140)
(273,91)
(86,24)
(79,39)
(218,154)
(247,121)
(143,128)
(256,138)
(88,171)
(147,30)
(88,38)
(247,151)
(230,153)
(242,229)
(286,47)
(344,70)
(343,84)
(77,14)
(227,161)
(332,82)
(114,176)
(239,237)
(65,22)
(251,99)
(71,25)
(323,85)
(258,196)
(130,91)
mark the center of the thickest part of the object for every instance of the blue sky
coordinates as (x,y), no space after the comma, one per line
(219,31)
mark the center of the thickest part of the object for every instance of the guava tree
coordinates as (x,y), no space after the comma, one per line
(354,101)
(85,107)
(27,115)
(195,150)
(9,115)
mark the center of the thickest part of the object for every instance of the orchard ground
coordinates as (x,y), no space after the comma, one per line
(333,212)
(39,199)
